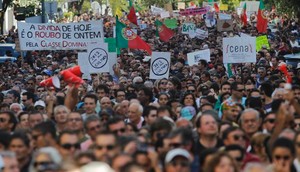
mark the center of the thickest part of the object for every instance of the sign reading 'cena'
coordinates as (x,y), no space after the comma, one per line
(239,50)
(65,36)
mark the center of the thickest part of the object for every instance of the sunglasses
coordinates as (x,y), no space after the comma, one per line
(163,83)
(94,128)
(42,163)
(238,137)
(108,147)
(121,130)
(285,158)
(175,145)
(68,146)
(272,121)
(180,163)
(240,90)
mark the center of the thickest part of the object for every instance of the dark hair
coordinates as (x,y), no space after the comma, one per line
(102,87)
(228,131)
(147,110)
(160,124)
(22,136)
(21,114)
(284,143)
(92,96)
(234,85)
(148,92)
(235,147)
(165,108)
(15,93)
(119,90)
(198,120)
(113,120)
(61,134)
(267,88)
(4,139)
(194,100)
(12,119)
(223,95)
(206,104)
(216,159)
(185,133)
(46,127)
(29,95)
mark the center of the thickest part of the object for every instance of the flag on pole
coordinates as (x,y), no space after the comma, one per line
(244,15)
(164,33)
(131,15)
(217,9)
(126,38)
(262,21)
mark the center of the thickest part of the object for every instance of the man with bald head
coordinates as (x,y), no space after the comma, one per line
(135,112)
(105,103)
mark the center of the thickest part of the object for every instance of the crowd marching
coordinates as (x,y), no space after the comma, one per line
(208,117)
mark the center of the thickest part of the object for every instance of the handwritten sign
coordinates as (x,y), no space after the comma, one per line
(188,28)
(193,11)
(195,57)
(239,50)
(160,65)
(224,25)
(201,34)
(67,36)
(262,41)
(156,10)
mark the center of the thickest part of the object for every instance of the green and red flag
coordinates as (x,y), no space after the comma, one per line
(126,38)
(244,15)
(131,15)
(164,33)
(262,20)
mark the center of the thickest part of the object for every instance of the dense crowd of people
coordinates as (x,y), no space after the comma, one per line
(207,117)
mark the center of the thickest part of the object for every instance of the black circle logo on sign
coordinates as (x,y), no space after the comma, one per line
(98,58)
(160,66)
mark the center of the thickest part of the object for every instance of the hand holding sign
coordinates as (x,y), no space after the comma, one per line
(160,65)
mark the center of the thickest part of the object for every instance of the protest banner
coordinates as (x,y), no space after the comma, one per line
(223,16)
(160,65)
(223,7)
(112,60)
(66,36)
(165,14)
(171,23)
(201,34)
(193,11)
(156,10)
(181,5)
(239,50)
(195,57)
(262,41)
(83,63)
(97,58)
(168,7)
(187,28)
(224,25)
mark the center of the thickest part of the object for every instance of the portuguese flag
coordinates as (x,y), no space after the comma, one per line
(164,33)
(262,21)
(132,16)
(244,15)
(126,38)
(216,7)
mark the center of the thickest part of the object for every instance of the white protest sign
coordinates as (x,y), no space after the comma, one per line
(156,10)
(201,34)
(239,50)
(143,26)
(98,58)
(160,65)
(187,28)
(112,60)
(223,16)
(195,57)
(66,36)
(165,14)
(83,63)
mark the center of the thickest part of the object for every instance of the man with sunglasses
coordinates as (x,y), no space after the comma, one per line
(106,146)
(92,127)
(68,144)
(269,122)
(8,121)
(117,126)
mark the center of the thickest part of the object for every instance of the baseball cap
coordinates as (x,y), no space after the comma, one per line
(39,103)
(176,153)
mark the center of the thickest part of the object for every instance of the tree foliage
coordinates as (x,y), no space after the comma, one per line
(158,3)
(290,7)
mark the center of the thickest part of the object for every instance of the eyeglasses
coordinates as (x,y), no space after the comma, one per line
(17,83)
(69,146)
(108,147)
(239,159)
(245,71)
(2,120)
(42,163)
(30,83)
(121,130)
(74,119)
(180,163)
(94,128)
(238,137)
(249,90)
(163,83)
(270,120)
(175,145)
(285,158)
(23,100)
(192,91)
(40,90)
